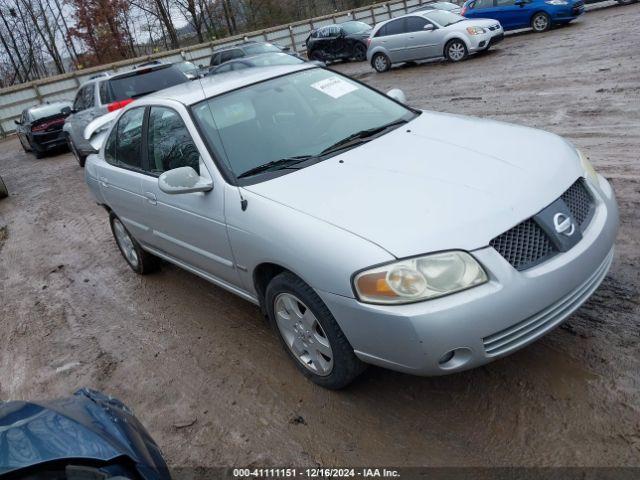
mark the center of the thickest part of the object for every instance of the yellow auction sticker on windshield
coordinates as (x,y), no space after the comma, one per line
(335,87)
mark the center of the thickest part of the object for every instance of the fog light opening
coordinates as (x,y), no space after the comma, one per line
(455,359)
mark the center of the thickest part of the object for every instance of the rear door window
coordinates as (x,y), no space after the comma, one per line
(124,145)
(169,143)
(80,102)
(143,82)
(395,27)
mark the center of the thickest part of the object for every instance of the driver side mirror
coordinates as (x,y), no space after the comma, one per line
(17,122)
(398,95)
(66,111)
(520,3)
(183,180)
(428,27)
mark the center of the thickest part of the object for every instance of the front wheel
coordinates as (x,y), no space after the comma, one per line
(140,261)
(381,63)
(310,334)
(360,52)
(540,22)
(455,50)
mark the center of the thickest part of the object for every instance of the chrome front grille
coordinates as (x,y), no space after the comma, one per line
(527,244)
(537,325)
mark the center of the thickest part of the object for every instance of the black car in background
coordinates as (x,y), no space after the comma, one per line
(39,128)
(341,41)
(103,94)
(245,49)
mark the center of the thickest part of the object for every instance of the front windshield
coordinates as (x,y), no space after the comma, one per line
(186,67)
(260,48)
(355,27)
(300,114)
(443,18)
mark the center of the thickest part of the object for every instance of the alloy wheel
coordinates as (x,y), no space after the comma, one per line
(125,243)
(303,334)
(540,23)
(380,63)
(456,51)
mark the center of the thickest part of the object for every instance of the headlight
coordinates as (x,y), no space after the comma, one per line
(588,168)
(477,30)
(557,2)
(420,278)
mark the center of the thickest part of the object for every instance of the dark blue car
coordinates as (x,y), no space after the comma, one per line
(540,15)
(87,436)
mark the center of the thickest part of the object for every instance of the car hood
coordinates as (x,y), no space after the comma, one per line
(475,22)
(88,426)
(440,182)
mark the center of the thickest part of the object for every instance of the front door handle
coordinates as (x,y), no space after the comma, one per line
(151,198)
(104,182)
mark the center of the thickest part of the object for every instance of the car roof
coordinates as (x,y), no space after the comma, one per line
(196,91)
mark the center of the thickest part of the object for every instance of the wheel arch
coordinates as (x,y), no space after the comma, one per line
(450,38)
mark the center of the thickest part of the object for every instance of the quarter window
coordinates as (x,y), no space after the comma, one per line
(169,143)
(124,145)
(482,4)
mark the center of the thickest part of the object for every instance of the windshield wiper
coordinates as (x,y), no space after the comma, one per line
(281,164)
(360,137)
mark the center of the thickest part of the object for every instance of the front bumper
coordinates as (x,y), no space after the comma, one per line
(481,42)
(487,322)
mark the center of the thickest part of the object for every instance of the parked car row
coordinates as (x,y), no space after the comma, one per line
(437,29)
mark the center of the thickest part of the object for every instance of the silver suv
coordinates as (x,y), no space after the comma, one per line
(106,93)
(367,231)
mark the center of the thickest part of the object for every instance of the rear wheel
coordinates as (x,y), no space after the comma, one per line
(4,193)
(314,55)
(540,22)
(310,334)
(359,52)
(140,261)
(455,50)
(381,63)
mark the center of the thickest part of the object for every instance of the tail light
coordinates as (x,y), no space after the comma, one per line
(112,107)
(368,42)
(41,127)
(463,11)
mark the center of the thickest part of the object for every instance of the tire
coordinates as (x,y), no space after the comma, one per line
(381,63)
(140,261)
(27,150)
(81,159)
(359,52)
(455,50)
(540,22)
(314,55)
(4,193)
(309,333)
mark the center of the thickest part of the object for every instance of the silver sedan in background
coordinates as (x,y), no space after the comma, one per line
(430,34)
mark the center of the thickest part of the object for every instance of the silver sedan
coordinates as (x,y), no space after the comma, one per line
(430,34)
(368,232)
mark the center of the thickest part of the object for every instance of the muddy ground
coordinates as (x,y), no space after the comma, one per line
(209,380)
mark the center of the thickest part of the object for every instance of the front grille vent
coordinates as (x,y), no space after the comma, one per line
(527,245)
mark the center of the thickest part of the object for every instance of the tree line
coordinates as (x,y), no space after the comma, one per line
(40,38)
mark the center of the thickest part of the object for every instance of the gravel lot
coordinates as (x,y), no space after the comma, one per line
(211,383)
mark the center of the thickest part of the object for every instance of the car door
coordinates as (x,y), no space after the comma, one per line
(482,9)
(22,128)
(394,37)
(82,108)
(422,42)
(187,227)
(121,174)
(509,14)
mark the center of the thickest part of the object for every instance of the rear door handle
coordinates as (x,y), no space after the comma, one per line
(151,198)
